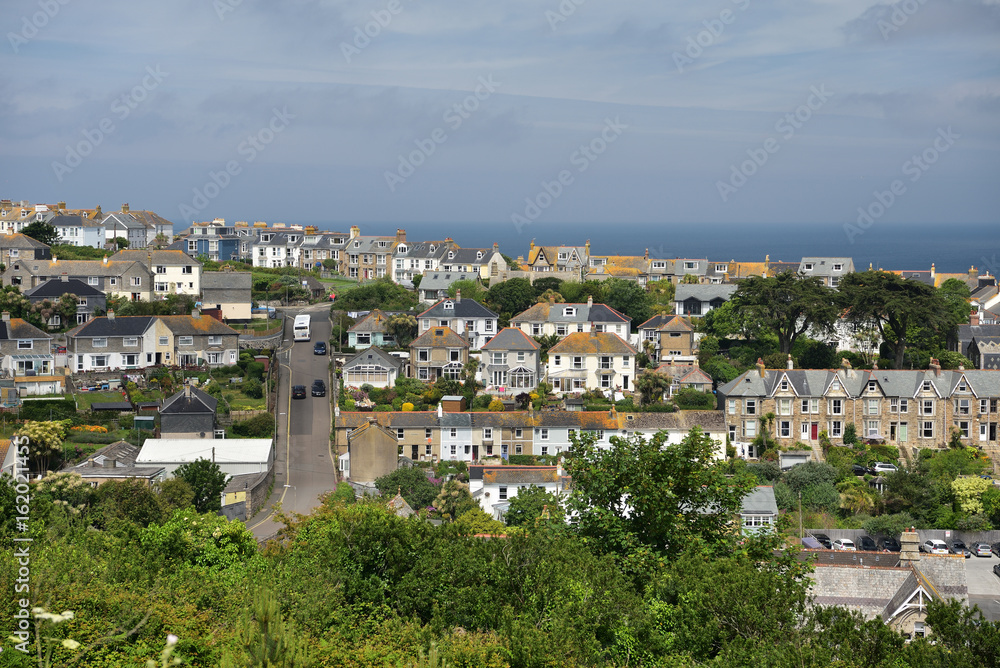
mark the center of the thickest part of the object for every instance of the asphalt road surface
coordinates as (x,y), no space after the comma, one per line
(304,467)
(984,585)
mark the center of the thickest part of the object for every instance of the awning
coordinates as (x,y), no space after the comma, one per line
(20,358)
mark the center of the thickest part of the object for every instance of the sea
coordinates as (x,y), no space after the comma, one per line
(949,247)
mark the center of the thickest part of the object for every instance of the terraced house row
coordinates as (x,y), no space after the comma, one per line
(904,408)
(469,436)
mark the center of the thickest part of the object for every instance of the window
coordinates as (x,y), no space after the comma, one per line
(130,359)
(871,428)
(422,374)
(214,358)
(838,267)
(92,280)
(808,266)
(836,406)
(606,381)
(453,432)
(101,342)
(25,344)
(927,407)
(984,406)
(749,428)
(503,492)
(427,432)
(113,280)
(160,269)
(489,325)
(423,355)
(561,330)
(785,429)
(872,385)
(784,382)
(873,406)
(164,341)
(577,362)
(962,407)
(543,434)
(427,450)
(161,287)
(927,386)
(520,357)
(926,429)
(536,329)
(188,269)
(185,340)
(399,434)
(215,340)
(569,311)
(605,362)
(487,433)
(731,406)
(498,358)
(137,281)
(455,355)
(836,428)
(518,433)
(130,341)
(751,407)
(99,360)
(963,427)
(785,407)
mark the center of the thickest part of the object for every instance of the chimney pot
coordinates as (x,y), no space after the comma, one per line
(195,313)
(5,316)
(111,314)
(590,300)
(791,365)
(458,296)
(65,277)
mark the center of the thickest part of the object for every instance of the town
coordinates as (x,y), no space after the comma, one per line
(270,375)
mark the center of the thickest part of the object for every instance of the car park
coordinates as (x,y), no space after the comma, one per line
(996,570)
(982,550)
(958,547)
(845,545)
(934,546)
(995,548)
(298,391)
(867,544)
(319,388)
(319,348)
(891,545)
(824,540)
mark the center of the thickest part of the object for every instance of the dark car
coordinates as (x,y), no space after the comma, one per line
(319,388)
(867,544)
(958,547)
(891,545)
(995,549)
(319,348)
(996,570)
(824,540)
(859,470)
(298,391)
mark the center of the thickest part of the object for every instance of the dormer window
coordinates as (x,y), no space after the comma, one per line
(401,249)
(431,248)
(808,266)
(449,304)
(927,386)
(722,267)
(962,387)
(690,265)
(838,267)
(872,385)
(563,256)
(569,311)
(784,385)
(357,244)
(479,255)
(451,255)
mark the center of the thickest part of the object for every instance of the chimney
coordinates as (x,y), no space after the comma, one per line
(586,248)
(760,367)
(355,231)
(973,273)
(111,314)
(187,390)
(909,553)
(933,271)
(845,364)
(590,300)
(5,316)
(400,236)
(496,247)
(532,246)
(125,207)
(646,256)
(961,367)
(593,330)
(105,260)
(974,317)
(695,363)
(62,206)
(935,366)
(440,410)
(195,313)
(791,365)
(65,277)
(458,296)
(91,463)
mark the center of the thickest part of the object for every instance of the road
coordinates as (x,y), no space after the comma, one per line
(984,586)
(304,467)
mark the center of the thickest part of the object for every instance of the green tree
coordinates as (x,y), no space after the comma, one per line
(411,483)
(175,494)
(476,521)
(530,503)
(543,285)
(785,305)
(651,385)
(470,290)
(266,639)
(546,341)
(207,481)
(45,441)
(627,297)
(963,631)
(969,491)
(402,327)
(641,500)
(381,293)
(41,231)
(895,305)
(128,500)
(661,294)
(454,499)
(688,399)
(509,298)
(577,293)
(121,243)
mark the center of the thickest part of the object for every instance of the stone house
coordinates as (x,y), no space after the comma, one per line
(110,342)
(372,452)
(18,248)
(468,318)
(562,319)
(197,339)
(173,271)
(126,278)
(511,362)
(685,376)
(550,259)
(591,360)
(368,257)
(89,300)
(670,336)
(438,352)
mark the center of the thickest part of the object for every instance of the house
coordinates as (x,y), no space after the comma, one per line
(14,216)
(79,230)
(173,271)
(668,337)
(229,291)
(373,367)
(628,267)
(272,248)
(511,362)
(549,259)
(697,300)
(591,360)
(434,285)
(830,270)
(486,263)
(88,299)
(319,248)
(117,463)
(896,594)
(234,456)
(413,259)
(759,511)
(494,486)
(26,356)
(399,507)
(189,413)
(919,409)
(468,318)
(125,226)
(219,244)
(156,227)
(438,352)
(697,268)
(314,287)
(15,248)
(982,353)
(372,452)
(561,319)
(370,331)
(368,257)
(197,339)
(126,278)
(685,376)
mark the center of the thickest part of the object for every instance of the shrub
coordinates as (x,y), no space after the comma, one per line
(496,406)
(253,389)
(483,401)
(407,407)
(255,370)
(688,398)
(850,434)
(259,426)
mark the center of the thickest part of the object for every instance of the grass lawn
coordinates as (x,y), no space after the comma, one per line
(85,399)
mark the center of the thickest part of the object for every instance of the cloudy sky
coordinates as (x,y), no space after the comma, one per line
(579,111)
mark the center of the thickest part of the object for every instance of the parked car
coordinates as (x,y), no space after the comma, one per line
(996,570)
(859,470)
(982,550)
(319,348)
(891,545)
(824,540)
(319,388)
(882,467)
(845,545)
(995,547)
(298,391)
(934,546)
(958,547)
(867,544)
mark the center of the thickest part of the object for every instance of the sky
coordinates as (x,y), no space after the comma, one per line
(522,113)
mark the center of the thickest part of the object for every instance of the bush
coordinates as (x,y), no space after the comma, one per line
(253,389)
(38,411)
(850,434)
(766,472)
(496,406)
(482,401)
(407,407)
(255,370)
(688,398)
(259,426)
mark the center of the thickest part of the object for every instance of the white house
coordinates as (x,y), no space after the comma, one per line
(235,456)
(470,319)
(591,360)
(494,486)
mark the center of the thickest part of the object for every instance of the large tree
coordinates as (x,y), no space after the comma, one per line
(41,231)
(402,327)
(895,304)
(207,482)
(628,297)
(411,483)
(510,298)
(530,504)
(785,305)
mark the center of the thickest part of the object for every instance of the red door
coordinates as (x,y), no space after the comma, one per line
(814,433)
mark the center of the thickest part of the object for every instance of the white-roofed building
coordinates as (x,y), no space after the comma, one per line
(235,456)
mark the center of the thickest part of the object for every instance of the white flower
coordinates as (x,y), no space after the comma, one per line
(69,643)
(172,640)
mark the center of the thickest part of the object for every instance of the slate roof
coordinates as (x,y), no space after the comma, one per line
(184,404)
(705,293)
(447,338)
(123,452)
(891,382)
(511,338)
(465,308)
(74,220)
(56,287)
(823,266)
(19,328)
(623,266)
(520,475)
(19,241)
(154,257)
(374,355)
(760,501)
(442,280)
(555,312)
(373,322)
(187,325)
(57,267)
(226,287)
(592,343)
(468,256)
(135,325)
(657,320)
